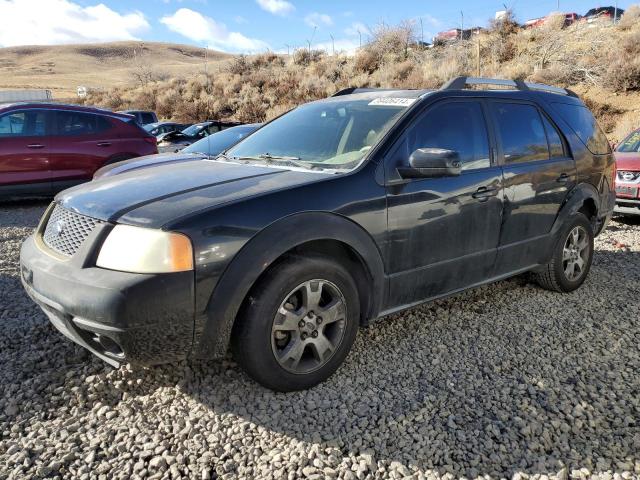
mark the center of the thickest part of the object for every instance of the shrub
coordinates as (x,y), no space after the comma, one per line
(630,18)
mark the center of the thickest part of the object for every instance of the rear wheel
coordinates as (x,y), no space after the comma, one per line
(572,257)
(298,324)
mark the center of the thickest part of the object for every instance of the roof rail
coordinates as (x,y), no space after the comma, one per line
(459,83)
(350,90)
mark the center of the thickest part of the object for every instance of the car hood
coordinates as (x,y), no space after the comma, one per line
(145,162)
(627,160)
(153,197)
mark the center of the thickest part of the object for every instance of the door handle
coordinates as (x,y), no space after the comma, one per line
(35,145)
(104,144)
(563,178)
(484,193)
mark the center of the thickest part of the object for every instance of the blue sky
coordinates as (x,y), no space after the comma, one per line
(247,25)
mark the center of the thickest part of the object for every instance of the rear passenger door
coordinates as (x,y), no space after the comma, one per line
(82,143)
(443,231)
(538,173)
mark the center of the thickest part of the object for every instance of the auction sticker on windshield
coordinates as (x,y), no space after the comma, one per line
(393,101)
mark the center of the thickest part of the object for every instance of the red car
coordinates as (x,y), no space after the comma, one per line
(45,148)
(628,175)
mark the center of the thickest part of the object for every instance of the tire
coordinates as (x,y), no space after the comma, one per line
(280,340)
(558,275)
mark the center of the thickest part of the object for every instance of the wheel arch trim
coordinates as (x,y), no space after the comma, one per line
(213,328)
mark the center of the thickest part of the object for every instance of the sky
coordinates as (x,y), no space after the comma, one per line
(250,26)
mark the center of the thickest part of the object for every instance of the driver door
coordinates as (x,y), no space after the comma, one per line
(443,231)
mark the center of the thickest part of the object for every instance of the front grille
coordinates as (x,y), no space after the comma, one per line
(66,230)
(627,176)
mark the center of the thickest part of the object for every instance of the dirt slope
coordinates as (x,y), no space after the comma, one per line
(62,68)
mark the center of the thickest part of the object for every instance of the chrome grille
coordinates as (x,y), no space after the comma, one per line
(66,230)
(627,176)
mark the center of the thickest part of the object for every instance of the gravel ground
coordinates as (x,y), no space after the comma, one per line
(504,381)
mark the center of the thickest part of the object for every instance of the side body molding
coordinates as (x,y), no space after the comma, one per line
(213,329)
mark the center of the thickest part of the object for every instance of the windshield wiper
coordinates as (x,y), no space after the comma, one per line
(295,161)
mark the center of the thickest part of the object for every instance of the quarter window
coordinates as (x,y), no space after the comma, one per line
(582,122)
(458,126)
(521,132)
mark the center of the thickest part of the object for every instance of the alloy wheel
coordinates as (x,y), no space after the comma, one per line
(309,326)
(575,253)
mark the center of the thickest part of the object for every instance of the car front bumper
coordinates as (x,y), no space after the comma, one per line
(627,206)
(121,317)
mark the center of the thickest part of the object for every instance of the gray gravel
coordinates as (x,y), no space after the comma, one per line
(504,381)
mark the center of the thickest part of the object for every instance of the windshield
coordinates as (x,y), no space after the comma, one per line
(330,134)
(149,126)
(193,130)
(218,142)
(631,143)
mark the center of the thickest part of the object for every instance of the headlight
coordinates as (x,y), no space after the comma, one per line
(145,250)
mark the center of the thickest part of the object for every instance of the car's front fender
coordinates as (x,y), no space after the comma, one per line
(213,327)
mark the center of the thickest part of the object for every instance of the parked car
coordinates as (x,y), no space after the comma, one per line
(339,212)
(143,117)
(627,155)
(208,147)
(175,141)
(603,13)
(455,34)
(569,19)
(160,128)
(45,148)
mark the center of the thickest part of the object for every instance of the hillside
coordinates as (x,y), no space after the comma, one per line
(600,62)
(62,68)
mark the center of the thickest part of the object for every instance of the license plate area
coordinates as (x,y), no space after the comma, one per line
(626,191)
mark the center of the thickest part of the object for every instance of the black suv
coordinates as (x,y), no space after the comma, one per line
(339,212)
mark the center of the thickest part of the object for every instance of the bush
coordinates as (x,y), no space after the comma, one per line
(630,18)
(304,56)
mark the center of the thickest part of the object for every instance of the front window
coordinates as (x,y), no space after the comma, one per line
(334,134)
(23,124)
(631,143)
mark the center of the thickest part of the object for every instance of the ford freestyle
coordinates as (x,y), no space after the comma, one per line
(45,148)
(337,213)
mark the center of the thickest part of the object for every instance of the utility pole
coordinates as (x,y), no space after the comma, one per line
(333,45)
(360,37)
(461,24)
(315,27)
(615,13)
(421,33)
(288,46)
(478,56)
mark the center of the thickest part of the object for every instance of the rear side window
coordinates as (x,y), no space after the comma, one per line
(23,124)
(521,132)
(556,146)
(458,126)
(582,122)
(146,117)
(80,123)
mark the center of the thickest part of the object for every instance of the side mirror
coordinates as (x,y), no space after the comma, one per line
(432,162)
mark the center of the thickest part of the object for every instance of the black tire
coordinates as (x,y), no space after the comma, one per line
(553,276)
(255,338)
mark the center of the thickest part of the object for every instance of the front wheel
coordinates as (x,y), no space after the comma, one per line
(572,257)
(298,323)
